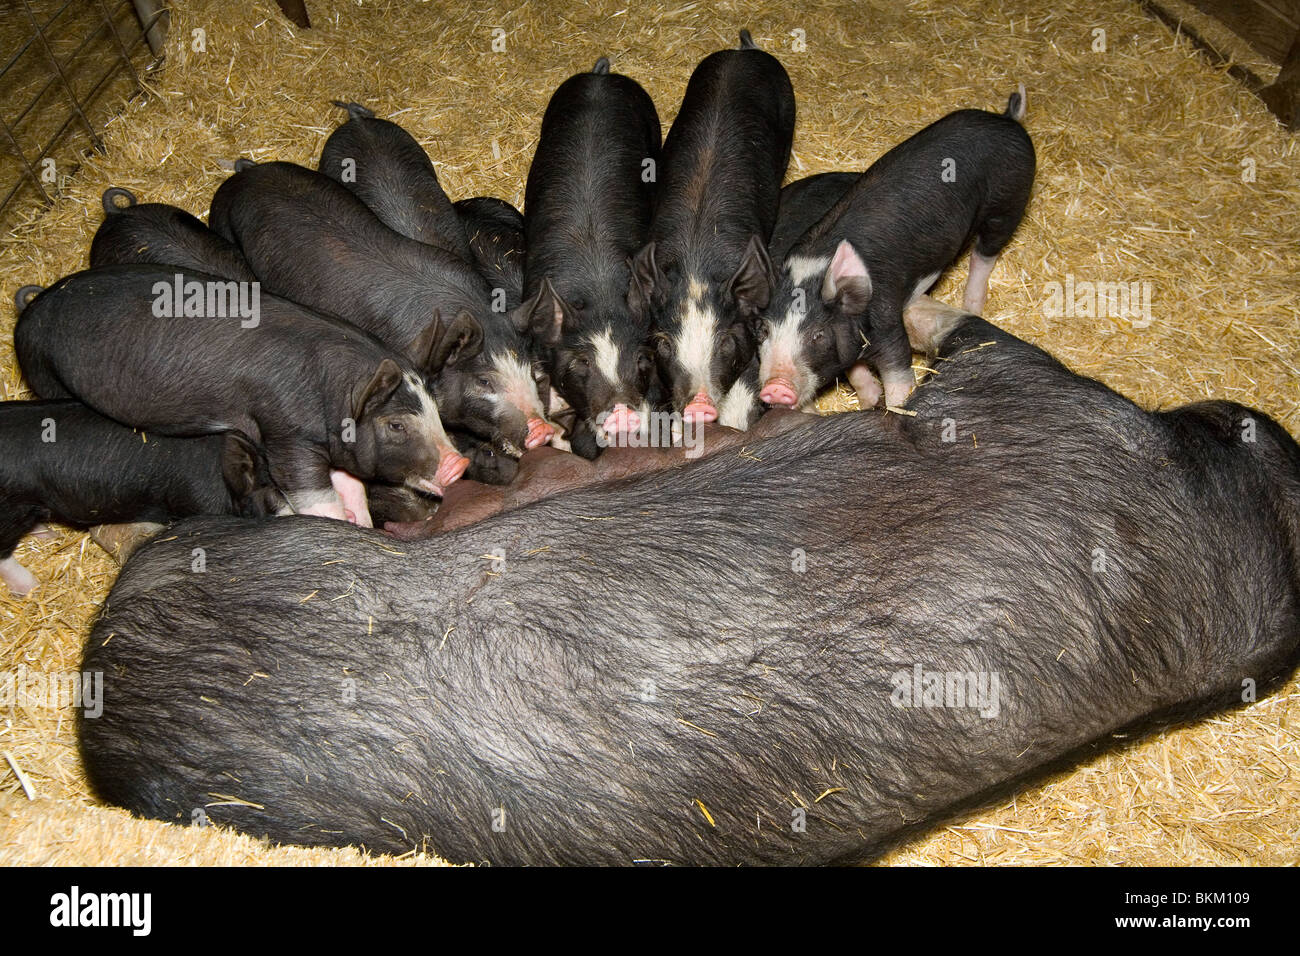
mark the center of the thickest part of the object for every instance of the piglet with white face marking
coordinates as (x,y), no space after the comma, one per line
(845,282)
(170,357)
(705,275)
(312,241)
(588,200)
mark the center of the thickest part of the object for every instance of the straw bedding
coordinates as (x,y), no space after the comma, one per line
(1144,159)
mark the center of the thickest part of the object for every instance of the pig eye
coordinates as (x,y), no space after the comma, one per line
(581,362)
(396,427)
(818,337)
(645,360)
(762,331)
(483,382)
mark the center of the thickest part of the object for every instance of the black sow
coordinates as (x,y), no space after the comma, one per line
(953,628)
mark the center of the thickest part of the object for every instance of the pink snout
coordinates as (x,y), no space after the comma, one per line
(700,408)
(539,433)
(621,419)
(451,466)
(779,391)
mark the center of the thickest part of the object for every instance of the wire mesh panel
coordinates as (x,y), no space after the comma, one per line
(64,65)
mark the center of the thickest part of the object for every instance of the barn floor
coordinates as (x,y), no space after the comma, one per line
(1153,168)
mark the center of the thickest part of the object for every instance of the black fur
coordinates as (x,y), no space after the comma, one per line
(497,243)
(312,241)
(160,234)
(719,186)
(392,174)
(289,383)
(803,204)
(906,222)
(60,461)
(588,203)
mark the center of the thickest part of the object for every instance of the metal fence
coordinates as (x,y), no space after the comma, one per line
(64,64)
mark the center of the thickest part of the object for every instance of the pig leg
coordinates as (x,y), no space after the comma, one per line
(977,283)
(866,384)
(890,352)
(303,475)
(353,493)
(17,578)
(991,236)
(929,321)
(15,522)
(120,541)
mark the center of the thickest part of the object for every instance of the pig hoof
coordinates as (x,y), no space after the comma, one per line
(866,385)
(120,541)
(17,578)
(539,433)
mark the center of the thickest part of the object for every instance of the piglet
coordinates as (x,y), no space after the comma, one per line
(170,353)
(803,204)
(705,276)
(60,461)
(498,246)
(845,282)
(588,201)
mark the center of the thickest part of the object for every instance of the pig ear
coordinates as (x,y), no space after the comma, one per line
(751,286)
(239,459)
(544,315)
(421,350)
(645,276)
(847,279)
(377,391)
(462,340)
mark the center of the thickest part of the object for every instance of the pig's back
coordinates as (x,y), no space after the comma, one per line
(397,181)
(94,336)
(726,154)
(902,194)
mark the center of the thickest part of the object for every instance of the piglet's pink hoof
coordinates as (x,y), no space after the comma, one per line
(17,578)
(539,433)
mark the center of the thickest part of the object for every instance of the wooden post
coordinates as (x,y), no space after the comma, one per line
(1283,97)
